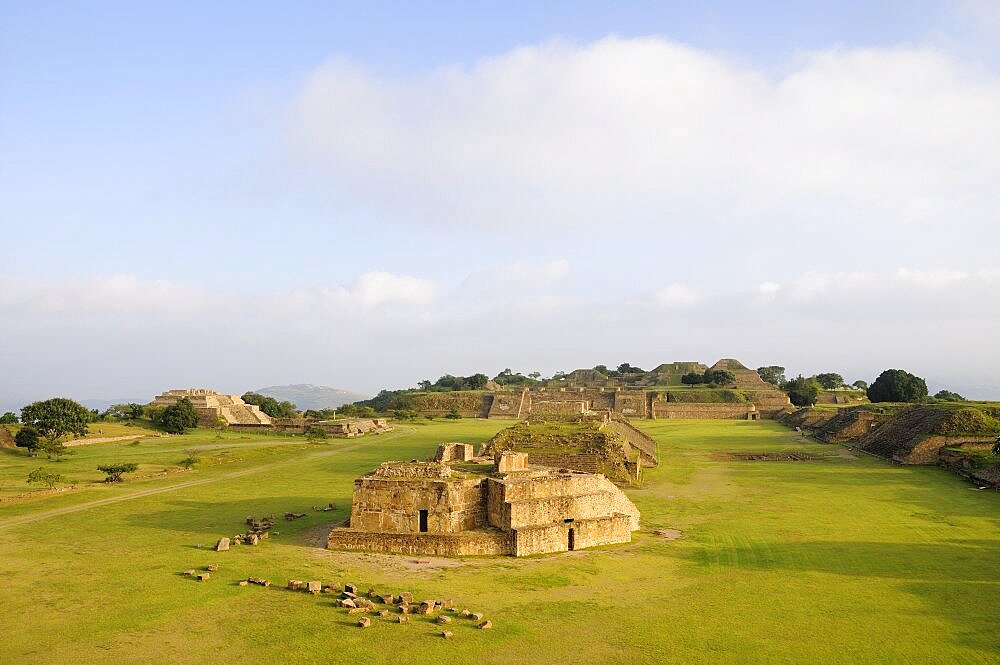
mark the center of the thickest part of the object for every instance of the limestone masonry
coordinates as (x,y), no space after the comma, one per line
(456,505)
(214,408)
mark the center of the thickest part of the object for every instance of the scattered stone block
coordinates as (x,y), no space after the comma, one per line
(371,593)
(364,622)
(405,597)
(447,634)
(348,594)
(351,588)
(383,613)
(347,602)
(189,572)
(427,607)
(485,625)
(204,577)
(465,614)
(364,602)
(405,609)
(443,619)
(222,545)
(252,539)
(244,582)
(314,586)
(294,585)
(402,618)
(212,567)
(476,616)
(386,600)
(358,610)
(260,581)
(265,535)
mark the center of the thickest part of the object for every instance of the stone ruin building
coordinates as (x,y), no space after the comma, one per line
(214,408)
(654,394)
(459,505)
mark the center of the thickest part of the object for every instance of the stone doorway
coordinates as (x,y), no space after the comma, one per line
(423,521)
(572,539)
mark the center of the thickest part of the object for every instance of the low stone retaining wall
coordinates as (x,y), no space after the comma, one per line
(692,410)
(486,542)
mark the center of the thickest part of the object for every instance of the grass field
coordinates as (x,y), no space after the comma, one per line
(836,560)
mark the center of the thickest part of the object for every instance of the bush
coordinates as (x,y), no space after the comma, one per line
(41,476)
(315,433)
(114,472)
(29,438)
(802,391)
(453,414)
(180,417)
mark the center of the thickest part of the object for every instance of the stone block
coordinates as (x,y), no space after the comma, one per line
(222,545)
(294,585)
(364,622)
(204,577)
(447,634)
(212,567)
(443,619)
(402,618)
(244,583)
(485,625)
(314,586)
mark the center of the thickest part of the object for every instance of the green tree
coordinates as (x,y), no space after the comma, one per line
(55,450)
(719,377)
(41,476)
(114,472)
(693,378)
(948,396)
(829,380)
(477,381)
(772,374)
(56,417)
(453,414)
(270,405)
(897,385)
(802,391)
(28,438)
(9,418)
(130,411)
(626,368)
(180,417)
(860,385)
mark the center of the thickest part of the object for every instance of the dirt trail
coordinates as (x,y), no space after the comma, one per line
(46,514)
(106,439)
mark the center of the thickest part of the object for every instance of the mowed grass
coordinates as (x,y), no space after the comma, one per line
(836,560)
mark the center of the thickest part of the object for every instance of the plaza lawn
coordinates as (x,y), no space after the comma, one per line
(832,560)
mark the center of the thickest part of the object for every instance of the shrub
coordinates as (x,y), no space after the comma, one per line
(896,385)
(29,438)
(114,472)
(802,391)
(41,476)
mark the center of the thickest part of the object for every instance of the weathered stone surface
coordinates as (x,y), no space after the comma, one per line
(443,619)
(447,634)
(405,597)
(358,610)
(222,545)
(485,625)
(351,588)
(386,600)
(476,616)
(314,586)
(244,583)
(189,572)
(406,609)
(212,567)
(383,613)
(260,581)
(294,585)
(426,607)
(402,618)
(364,622)
(203,577)
(252,539)
(465,614)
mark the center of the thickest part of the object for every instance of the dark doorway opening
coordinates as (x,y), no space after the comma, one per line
(423,521)
(572,539)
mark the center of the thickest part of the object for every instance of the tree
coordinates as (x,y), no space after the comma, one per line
(896,385)
(28,437)
(535,375)
(948,396)
(56,417)
(719,377)
(829,380)
(425,385)
(453,414)
(860,385)
(270,405)
(802,391)
(41,476)
(179,417)
(996,446)
(130,411)
(114,472)
(9,418)
(772,374)
(626,368)
(693,378)
(55,450)
(477,381)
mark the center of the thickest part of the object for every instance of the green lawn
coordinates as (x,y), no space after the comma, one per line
(837,560)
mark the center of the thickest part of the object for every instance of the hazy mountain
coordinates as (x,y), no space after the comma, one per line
(307,396)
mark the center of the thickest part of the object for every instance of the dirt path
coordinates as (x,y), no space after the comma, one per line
(46,514)
(107,439)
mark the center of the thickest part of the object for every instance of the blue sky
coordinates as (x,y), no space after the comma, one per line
(365,195)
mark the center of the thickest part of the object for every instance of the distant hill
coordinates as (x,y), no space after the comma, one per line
(307,396)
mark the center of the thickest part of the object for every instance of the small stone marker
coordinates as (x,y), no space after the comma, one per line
(364,622)
(383,613)
(405,598)
(202,577)
(212,567)
(189,572)
(294,585)
(446,634)
(371,593)
(427,607)
(351,588)
(443,619)
(222,545)
(405,609)
(244,582)
(357,610)
(347,602)
(386,600)
(486,625)
(402,618)
(476,616)
(314,586)
(465,614)
(253,539)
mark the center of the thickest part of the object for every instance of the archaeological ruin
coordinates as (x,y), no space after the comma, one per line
(459,505)
(215,408)
(656,394)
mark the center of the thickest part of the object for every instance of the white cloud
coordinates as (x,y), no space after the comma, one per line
(653,132)
(676,295)
(371,290)
(768,291)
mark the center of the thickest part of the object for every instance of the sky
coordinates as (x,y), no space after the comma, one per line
(363,195)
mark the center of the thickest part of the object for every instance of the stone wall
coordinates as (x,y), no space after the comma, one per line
(553,407)
(586,533)
(468,404)
(394,505)
(508,404)
(589,462)
(644,444)
(700,410)
(484,542)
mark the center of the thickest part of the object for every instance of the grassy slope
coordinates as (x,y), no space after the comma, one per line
(833,561)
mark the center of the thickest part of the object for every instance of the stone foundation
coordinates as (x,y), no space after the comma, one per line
(485,542)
